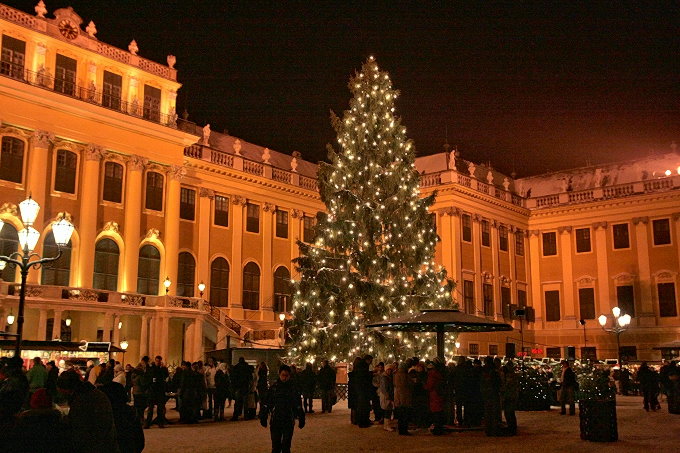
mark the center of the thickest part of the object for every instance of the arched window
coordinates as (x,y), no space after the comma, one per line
(251,286)
(219,282)
(65,172)
(56,272)
(148,270)
(186,268)
(282,299)
(9,243)
(106,258)
(12,159)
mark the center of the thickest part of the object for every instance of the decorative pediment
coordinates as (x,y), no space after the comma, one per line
(624,278)
(665,276)
(585,280)
(505,281)
(487,277)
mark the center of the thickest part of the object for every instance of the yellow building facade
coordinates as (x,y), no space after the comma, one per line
(90,131)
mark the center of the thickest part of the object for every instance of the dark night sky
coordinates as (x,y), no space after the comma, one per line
(530,86)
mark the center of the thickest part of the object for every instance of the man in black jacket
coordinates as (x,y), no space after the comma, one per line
(157,377)
(241,377)
(326,379)
(284,405)
(568,388)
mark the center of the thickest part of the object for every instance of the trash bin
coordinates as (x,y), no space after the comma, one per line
(598,420)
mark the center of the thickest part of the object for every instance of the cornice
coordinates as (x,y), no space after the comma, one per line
(451,188)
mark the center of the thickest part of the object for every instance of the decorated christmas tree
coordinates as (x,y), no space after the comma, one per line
(372,256)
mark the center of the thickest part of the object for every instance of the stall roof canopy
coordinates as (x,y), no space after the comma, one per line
(672,345)
(444,319)
(32,345)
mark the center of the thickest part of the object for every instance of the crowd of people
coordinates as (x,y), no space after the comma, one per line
(110,405)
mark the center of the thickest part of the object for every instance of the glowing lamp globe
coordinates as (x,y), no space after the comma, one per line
(3,264)
(28,238)
(62,231)
(2,224)
(602,320)
(29,209)
(624,320)
(616,311)
(201,287)
(282,317)
(124,345)
(67,321)
(10,318)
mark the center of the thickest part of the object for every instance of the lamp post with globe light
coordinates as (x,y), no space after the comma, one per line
(124,345)
(282,318)
(26,259)
(167,284)
(621,323)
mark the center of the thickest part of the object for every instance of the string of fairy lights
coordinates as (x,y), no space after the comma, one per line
(372,257)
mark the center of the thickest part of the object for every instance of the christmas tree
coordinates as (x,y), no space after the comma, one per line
(372,257)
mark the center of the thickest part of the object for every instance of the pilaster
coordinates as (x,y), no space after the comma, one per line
(296,219)
(36,185)
(644,269)
(42,325)
(56,325)
(171,233)
(268,212)
(198,339)
(535,253)
(88,218)
(477,245)
(144,337)
(116,331)
(512,231)
(131,226)
(108,318)
(604,302)
(496,272)
(236,274)
(569,301)
(204,215)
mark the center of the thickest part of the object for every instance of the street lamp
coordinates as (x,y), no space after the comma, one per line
(167,284)
(621,323)
(10,317)
(124,345)
(28,239)
(457,346)
(68,320)
(201,288)
(282,318)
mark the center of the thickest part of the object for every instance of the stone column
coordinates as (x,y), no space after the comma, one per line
(189,339)
(477,246)
(87,228)
(56,325)
(42,325)
(204,215)
(456,253)
(162,336)
(645,273)
(198,339)
(603,300)
(171,239)
(446,241)
(569,301)
(536,287)
(107,327)
(131,228)
(153,349)
(144,337)
(266,310)
(236,274)
(36,185)
(512,231)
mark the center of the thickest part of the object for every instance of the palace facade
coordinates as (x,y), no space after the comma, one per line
(184,237)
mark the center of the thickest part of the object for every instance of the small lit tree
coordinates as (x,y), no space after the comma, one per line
(372,257)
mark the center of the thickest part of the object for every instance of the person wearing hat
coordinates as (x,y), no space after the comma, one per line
(46,421)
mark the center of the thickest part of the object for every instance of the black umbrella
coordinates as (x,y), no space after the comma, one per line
(440,321)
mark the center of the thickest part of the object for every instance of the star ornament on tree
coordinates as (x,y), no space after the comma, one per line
(372,256)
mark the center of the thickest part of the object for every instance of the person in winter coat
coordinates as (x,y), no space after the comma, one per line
(436,389)
(420,412)
(282,406)
(51,383)
(241,377)
(41,428)
(129,433)
(119,375)
(139,388)
(221,391)
(308,386)
(209,371)
(90,417)
(262,381)
(491,393)
(327,378)
(403,396)
(158,376)
(510,396)
(37,376)
(649,385)
(567,389)
(386,394)
(352,390)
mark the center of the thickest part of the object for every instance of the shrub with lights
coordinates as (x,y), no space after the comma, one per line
(372,256)
(534,389)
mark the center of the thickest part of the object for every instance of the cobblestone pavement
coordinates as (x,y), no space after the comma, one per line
(539,432)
